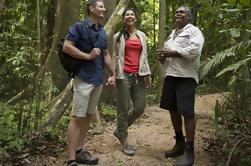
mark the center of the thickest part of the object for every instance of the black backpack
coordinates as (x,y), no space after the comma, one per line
(69,63)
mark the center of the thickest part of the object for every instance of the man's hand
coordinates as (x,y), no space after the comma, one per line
(94,53)
(162,58)
(148,82)
(162,51)
(163,54)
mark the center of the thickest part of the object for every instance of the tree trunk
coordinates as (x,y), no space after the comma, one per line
(51,14)
(60,106)
(162,22)
(161,39)
(1,8)
(194,12)
(67,13)
(115,17)
(107,95)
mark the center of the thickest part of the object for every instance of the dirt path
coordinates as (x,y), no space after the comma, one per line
(151,135)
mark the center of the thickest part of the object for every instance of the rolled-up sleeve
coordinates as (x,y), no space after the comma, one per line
(73,32)
(194,48)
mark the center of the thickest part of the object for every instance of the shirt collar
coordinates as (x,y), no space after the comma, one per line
(91,24)
(185,27)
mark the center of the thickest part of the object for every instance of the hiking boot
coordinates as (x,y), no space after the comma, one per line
(178,148)
(128,150)
(187,159)
(85,157)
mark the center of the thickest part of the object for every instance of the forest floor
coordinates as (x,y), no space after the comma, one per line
(151,136)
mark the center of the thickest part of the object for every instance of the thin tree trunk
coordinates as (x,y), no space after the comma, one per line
(161,39)
(22,94)
(107,95)
(1,8)
(37,84)
(194,12)
(51,14)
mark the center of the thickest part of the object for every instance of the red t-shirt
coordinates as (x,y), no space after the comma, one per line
(133,49)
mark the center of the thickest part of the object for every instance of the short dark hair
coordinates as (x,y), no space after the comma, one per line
(91,3)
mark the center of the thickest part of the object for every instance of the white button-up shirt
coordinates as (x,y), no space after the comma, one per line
(188,43)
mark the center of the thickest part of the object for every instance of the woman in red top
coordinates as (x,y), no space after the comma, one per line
(133,77)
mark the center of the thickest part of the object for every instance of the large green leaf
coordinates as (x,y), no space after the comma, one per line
(233,67)
(220,57)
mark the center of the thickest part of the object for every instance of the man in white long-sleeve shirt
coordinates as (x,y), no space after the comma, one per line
(181,59)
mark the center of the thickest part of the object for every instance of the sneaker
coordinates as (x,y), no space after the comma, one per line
(85,157)
(178,148)
(72,163)
(128,150)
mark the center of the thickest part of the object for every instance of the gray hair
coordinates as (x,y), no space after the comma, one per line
(188,12)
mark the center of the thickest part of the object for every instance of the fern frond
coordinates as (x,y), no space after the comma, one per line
(220,57)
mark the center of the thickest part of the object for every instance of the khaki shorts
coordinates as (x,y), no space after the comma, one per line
(85,98)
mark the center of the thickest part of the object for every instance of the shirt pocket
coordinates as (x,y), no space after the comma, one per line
(182,40)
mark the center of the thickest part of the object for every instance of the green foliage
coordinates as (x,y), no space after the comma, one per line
(228,30)
(10,138)
(246,160)
(234,52)
(61,127)
(234,67)
(19,59)
(108,111)
(229,129)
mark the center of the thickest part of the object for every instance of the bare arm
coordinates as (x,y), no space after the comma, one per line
(108,62)
(70,49)
(110,66)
